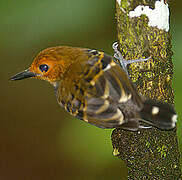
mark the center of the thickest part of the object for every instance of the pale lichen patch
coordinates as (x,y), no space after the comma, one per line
(119,2)
(116,152)
(158,17)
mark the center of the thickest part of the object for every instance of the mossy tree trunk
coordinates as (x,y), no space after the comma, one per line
(149,153)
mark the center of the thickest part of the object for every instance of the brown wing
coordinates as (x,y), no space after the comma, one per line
(99,92)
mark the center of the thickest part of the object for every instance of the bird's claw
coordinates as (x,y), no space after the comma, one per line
(124,62)
(145,127)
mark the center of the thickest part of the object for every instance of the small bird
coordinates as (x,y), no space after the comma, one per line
(94,87)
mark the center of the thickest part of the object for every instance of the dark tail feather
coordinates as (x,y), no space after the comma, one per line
(161,115)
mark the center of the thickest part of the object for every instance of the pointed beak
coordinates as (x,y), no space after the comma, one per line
(22,75)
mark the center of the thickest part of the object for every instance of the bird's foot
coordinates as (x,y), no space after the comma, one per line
(145,127)
(124,62)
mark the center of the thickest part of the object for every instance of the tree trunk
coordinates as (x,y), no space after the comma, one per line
(149,153)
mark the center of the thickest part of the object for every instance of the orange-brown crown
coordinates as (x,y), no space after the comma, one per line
(52,63)
(58,59)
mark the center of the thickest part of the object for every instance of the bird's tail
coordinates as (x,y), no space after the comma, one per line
(158,114)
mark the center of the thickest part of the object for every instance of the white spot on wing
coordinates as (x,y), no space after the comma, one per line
(92,82)
(107,67)
(118,116)
(124,98)
(158,17)
(103,107)
(85,120)
(106,91)
(121,120)
(121,117)
(155,110)
(113,63)
(92,51)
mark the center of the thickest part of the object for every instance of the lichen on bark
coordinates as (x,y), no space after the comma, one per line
(150,153)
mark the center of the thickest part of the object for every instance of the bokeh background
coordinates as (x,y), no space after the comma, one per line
(38,139)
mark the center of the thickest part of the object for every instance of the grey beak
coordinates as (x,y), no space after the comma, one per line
(22,75)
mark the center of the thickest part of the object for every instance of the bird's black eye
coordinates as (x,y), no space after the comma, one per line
(44,67)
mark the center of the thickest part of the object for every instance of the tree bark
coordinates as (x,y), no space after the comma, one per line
(149,153)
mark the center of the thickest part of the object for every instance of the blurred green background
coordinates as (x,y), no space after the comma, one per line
(39,140)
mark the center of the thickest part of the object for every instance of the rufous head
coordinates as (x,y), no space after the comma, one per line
(50,64)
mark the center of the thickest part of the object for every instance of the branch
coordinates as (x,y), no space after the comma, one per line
(151,152)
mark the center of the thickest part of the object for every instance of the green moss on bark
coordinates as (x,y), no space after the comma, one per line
(150,153)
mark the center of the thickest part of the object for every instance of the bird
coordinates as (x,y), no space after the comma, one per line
(93,86)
